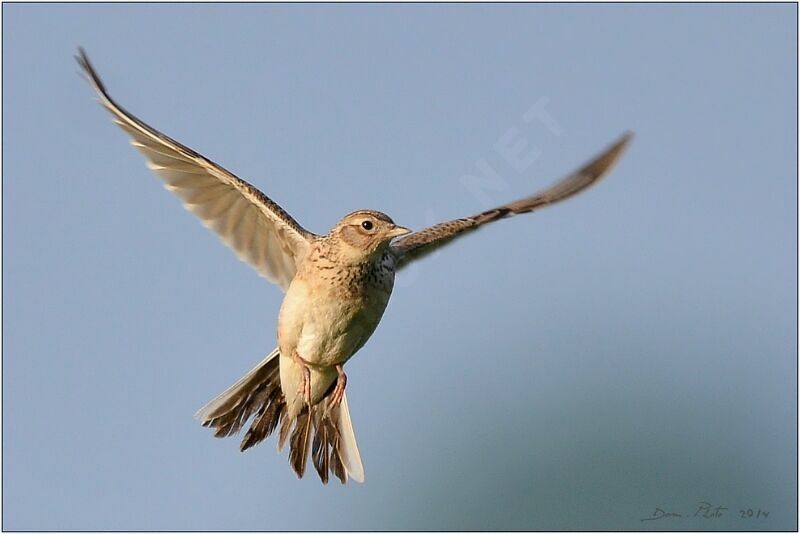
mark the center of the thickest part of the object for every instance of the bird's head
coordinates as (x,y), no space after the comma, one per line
(364,233)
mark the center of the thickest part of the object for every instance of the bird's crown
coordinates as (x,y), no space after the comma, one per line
(358,215)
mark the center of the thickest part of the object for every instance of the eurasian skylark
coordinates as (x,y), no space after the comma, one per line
(337,287)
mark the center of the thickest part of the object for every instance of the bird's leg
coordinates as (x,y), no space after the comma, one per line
(338,391)
(305,381)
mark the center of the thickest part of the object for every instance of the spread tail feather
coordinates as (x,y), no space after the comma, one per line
(333,445)
(326,433)
(348,448)
(258,391)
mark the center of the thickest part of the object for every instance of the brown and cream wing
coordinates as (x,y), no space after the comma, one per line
(418,244)
(256,228)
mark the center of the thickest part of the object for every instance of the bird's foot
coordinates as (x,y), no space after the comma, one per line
(338,391)
(305,382)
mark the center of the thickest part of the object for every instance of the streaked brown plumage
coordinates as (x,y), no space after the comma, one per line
(337,288)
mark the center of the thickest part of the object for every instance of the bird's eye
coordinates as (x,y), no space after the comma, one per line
(366,225)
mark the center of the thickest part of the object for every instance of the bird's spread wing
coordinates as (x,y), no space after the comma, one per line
(255,227)
(418,244)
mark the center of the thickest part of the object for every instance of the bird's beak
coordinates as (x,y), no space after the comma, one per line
(397,231)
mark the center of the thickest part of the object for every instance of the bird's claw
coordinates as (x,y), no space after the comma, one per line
(305,385)
(338,391)
(304,388)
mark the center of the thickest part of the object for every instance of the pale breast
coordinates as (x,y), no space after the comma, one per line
(329,313)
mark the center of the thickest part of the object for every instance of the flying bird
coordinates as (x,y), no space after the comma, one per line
(337,287)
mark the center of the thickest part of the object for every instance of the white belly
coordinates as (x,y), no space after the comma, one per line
(325,328)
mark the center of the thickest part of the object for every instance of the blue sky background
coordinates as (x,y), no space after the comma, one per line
(633,348)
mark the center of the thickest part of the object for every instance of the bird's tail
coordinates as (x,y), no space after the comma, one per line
(326,432)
